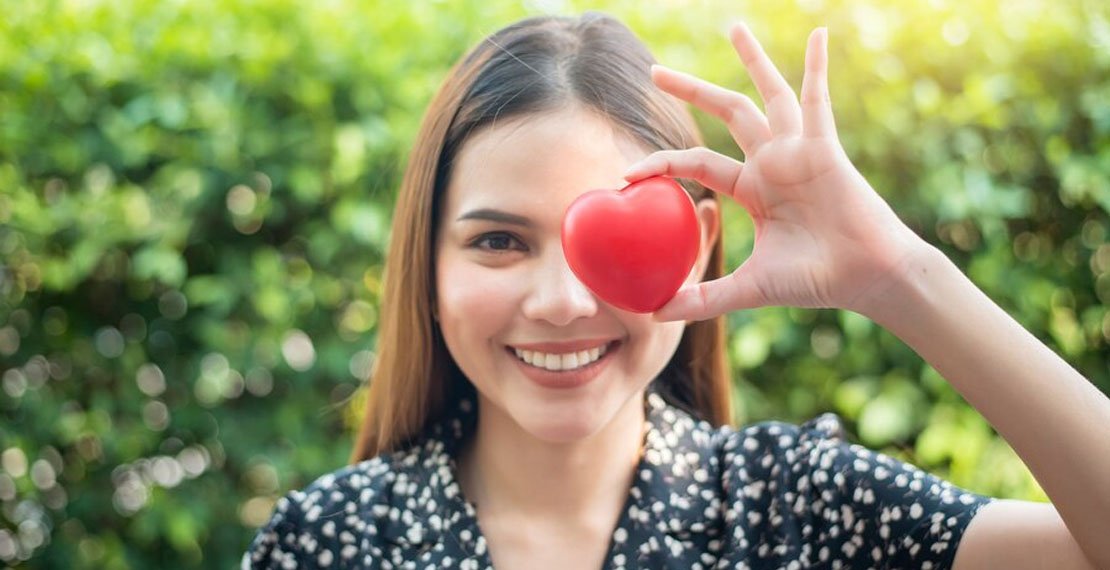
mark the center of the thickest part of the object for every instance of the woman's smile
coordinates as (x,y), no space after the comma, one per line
(563,370)
(565,361)
(566,355)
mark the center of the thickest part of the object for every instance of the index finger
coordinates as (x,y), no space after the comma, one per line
(744,120)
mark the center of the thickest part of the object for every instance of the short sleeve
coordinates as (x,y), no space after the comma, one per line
(878,510)
(279,543)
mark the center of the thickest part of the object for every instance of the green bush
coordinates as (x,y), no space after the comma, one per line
(195,199)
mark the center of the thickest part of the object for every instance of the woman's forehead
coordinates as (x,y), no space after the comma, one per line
(544,159)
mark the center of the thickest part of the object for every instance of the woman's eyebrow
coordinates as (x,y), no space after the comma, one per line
(496,216)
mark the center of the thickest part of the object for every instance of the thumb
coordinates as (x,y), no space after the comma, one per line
(709,299)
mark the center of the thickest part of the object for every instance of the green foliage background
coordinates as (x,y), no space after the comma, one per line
(195,199)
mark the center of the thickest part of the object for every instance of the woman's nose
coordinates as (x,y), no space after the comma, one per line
(557,295)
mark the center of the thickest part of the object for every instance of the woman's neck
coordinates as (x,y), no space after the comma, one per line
(505,470)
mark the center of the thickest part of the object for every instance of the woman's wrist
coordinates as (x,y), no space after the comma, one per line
(912,283)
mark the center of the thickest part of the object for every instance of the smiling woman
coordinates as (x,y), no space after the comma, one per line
(451,214)
(491,302)
(517,420)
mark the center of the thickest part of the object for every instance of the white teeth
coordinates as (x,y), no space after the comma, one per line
(556,362)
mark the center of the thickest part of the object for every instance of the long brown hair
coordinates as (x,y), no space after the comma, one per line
(532,66)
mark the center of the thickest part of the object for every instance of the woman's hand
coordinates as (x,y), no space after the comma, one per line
(823,236)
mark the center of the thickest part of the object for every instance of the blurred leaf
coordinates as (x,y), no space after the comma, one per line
(193,195)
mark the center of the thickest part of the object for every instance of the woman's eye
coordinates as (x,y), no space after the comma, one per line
(498,242)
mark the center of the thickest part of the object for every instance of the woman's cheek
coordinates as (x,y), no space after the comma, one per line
(482,296)
(656,343)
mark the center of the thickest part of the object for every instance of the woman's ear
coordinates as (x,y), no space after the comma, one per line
(709,220)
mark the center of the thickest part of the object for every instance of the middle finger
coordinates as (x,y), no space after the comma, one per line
(783,111)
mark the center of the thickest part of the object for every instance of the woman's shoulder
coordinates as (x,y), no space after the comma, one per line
(776,442)
(365,482)
(818,455)
(675,429)
(850,503)
(356,510)
(825,429)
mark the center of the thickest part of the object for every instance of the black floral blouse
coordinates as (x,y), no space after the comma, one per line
(772,495)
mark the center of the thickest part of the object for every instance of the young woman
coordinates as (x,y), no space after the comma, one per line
(517,421)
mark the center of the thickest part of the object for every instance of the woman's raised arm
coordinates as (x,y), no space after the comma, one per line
(825,238)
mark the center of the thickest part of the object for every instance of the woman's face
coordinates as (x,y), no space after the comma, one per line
(504,291)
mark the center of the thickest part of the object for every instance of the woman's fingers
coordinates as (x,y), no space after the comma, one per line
(747,124)
(817,115)
(783,113)
(721,174)
(713,170)
(709,299)
(745,121)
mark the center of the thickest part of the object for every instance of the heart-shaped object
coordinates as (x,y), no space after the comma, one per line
(635,246)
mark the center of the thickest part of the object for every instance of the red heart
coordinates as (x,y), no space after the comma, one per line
(635,246)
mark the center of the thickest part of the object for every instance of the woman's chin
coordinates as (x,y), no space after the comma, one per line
(561,429)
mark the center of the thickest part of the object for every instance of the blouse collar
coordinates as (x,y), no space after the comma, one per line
(675,493)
